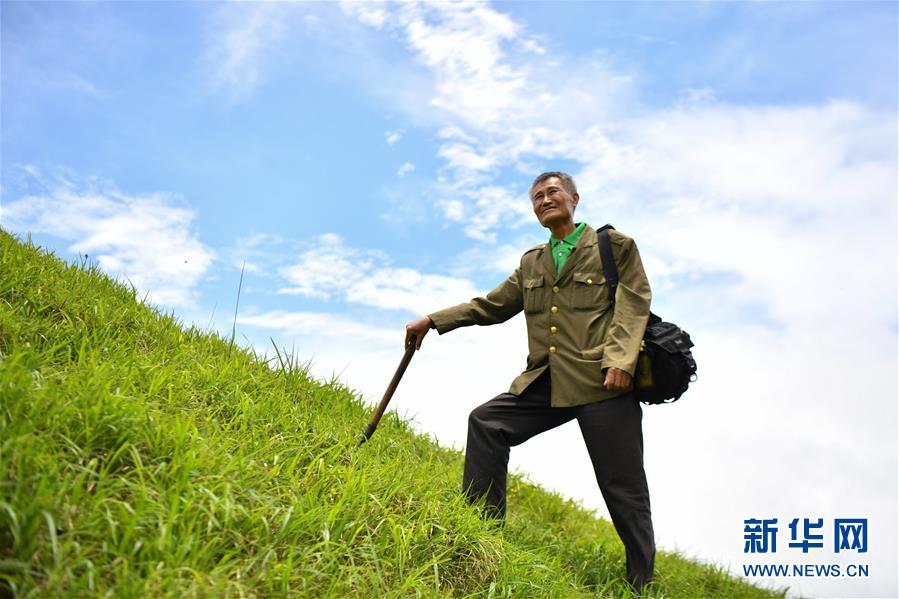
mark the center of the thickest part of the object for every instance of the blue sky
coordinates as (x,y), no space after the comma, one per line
(369,163)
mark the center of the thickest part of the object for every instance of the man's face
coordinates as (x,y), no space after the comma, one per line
(552,204)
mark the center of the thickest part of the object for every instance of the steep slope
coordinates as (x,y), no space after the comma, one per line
(143,458)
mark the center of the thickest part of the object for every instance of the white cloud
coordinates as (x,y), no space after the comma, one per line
(252,252)
(692,96)
(318,325)
(464,157)
(493,102)
(373,14)
(500,260)
(769,190)
(454,210)
(364,277)
(393,137)
(406,288)
(405,169)
(146,238)
(484,209)
(241,37)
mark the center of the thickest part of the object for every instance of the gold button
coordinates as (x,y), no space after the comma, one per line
(554,309)
(552,349)
(553,329)
(589,281)
(555,289)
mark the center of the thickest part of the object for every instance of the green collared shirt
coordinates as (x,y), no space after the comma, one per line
(561,248)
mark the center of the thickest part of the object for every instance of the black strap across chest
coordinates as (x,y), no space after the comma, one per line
(609,268)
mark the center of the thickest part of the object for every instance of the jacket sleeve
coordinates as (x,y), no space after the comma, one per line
(498,306)
(632,298)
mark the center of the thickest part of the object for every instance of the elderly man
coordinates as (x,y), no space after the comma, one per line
(581,360)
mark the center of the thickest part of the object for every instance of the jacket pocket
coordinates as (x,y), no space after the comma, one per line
(533,294)
(589,292)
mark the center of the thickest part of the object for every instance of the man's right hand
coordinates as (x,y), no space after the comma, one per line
(419,328)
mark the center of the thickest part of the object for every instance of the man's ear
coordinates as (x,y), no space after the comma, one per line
(576,198)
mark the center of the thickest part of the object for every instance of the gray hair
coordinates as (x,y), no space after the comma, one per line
(565,178)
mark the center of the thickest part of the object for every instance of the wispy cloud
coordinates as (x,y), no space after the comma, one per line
(490,94)
(254,253)
(393,137)
(318,325)
(405,169)
(147,238)
(332,270)
(374,14)
(241,39)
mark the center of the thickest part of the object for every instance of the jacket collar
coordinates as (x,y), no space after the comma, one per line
(578,255)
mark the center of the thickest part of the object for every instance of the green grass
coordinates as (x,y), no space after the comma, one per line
(141,458)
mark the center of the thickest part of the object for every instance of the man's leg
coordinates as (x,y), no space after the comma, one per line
(613,433)
(503,422)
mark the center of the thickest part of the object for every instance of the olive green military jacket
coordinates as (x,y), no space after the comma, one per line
(572,329)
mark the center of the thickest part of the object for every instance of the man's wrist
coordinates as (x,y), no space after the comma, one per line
(626,368)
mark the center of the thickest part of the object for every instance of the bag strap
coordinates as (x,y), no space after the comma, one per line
(609,268)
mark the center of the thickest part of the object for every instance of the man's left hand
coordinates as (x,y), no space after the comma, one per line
(616,379)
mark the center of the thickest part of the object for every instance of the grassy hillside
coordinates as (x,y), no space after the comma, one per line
(142,458)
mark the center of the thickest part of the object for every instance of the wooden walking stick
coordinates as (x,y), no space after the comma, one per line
(373,424)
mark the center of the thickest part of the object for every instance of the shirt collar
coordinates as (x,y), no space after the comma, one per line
(571,238)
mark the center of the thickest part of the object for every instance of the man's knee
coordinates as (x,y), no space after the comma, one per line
(487,430)
(479,416)
(488,414)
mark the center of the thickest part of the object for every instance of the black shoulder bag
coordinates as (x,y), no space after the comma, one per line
(665,367)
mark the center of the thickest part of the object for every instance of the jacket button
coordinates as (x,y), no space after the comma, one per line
(554,309)
(555,289)
(552,349)
(553,329)
(589,281)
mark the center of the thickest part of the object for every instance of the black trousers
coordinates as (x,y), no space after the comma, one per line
(612,431)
